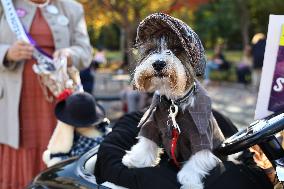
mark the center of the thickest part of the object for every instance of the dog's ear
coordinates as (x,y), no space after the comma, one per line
(134,87)
(61,140)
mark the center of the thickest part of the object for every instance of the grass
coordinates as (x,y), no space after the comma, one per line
(232,56)
(113,56)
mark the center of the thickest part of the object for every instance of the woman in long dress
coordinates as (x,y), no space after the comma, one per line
(26,119)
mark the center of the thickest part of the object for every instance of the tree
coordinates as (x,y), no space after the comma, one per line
(244,18)
(260,11)
(236,21)
(128,13)
(218,21)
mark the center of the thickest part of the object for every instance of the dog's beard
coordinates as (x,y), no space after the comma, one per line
(173,81)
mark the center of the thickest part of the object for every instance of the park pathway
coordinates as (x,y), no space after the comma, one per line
(235,101)
(232,99)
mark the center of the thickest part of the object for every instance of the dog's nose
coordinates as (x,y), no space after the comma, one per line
(159,65)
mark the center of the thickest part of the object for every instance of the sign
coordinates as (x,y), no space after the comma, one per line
(271,90)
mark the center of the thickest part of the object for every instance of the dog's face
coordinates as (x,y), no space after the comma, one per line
(163,66)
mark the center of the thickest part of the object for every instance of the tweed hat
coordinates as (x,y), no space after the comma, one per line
(157,22)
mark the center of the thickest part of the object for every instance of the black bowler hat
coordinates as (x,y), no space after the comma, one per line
(80,110)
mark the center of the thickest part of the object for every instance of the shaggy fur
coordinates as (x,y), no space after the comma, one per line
(196,168)
(150,159)
(174,81)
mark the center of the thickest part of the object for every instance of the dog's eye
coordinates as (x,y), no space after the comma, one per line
(168,52)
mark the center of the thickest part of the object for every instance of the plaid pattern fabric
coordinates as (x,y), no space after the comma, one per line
(83,144)
(80,146)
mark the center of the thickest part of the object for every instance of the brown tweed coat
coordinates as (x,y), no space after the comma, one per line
(199,129)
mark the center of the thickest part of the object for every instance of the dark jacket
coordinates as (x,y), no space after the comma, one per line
(110,168)
(258,54)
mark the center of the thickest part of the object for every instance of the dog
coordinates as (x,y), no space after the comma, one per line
(179,120)
(81,126)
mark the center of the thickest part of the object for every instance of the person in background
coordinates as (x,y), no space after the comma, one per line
(99,58)
(245,65)
(88,78)
(262,162)
(134,100)
(27,121)
(88,75)
(258,49)
(217,62)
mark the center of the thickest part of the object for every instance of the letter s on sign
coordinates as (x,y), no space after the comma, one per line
(279,84)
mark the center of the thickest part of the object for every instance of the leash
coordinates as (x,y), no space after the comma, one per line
(175,132)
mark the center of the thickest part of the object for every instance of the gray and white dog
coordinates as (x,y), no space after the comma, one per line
(179,119)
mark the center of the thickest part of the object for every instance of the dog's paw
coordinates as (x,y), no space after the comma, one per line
(192,186)
(46,157)
(132,161)
(189,181)
(145,153)
(127,161)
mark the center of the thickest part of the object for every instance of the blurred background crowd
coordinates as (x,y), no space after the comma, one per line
(232,31)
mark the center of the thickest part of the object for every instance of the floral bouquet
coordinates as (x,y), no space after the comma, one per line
(62,81)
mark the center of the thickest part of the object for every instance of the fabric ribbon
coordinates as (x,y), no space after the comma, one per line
(64,95)
(45,63)
(175,135)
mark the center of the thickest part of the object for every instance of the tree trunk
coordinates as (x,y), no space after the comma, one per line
(123,45)
(130,39)
(244,21)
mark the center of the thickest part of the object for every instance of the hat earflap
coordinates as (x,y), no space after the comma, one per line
(62,138)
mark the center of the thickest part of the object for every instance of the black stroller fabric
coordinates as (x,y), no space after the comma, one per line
(110,168)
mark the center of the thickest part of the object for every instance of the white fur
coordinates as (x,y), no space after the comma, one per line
(196,168)
(48,161)
(112,186)
(145,153)
(163,84)
(62,138)
(90,132)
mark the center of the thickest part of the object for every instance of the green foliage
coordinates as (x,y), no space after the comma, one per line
(259,13)
(91,32)
(108,37)
(115,56)
(222,19)
(218,20)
